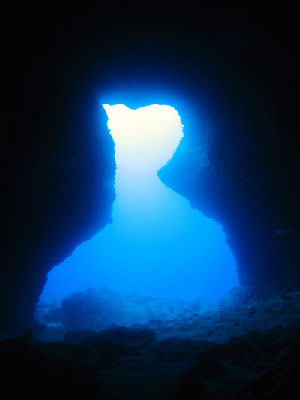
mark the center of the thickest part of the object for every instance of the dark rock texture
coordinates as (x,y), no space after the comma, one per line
(57,165)
(46,371)
(231,70)
(239,164)
(239,352)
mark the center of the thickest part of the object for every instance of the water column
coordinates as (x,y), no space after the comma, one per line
(157,244)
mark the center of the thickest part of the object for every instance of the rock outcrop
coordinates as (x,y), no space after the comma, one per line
(239,352)
(96,309)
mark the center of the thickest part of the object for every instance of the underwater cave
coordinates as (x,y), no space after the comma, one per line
(156,245)
(124,276)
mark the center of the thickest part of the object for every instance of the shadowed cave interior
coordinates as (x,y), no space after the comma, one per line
(231,70)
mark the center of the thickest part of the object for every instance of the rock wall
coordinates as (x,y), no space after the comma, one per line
(231,71)
(57,163)
(239,165)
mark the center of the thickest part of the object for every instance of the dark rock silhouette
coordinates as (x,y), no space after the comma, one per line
(231,70)
(207,356)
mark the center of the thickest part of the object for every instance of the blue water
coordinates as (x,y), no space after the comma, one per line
(157,244)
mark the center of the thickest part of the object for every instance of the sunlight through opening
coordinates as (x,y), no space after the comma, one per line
(145,138)
(156,245)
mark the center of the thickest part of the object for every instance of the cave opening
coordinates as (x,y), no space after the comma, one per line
(157,246)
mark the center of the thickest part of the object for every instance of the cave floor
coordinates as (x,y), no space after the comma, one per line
(241,351)
(224,323)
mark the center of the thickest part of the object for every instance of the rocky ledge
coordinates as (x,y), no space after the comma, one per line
(240,350)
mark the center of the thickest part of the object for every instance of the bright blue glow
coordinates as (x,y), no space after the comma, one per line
(145,138)
(157,244)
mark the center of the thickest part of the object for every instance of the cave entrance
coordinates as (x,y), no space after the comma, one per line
(156,245)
